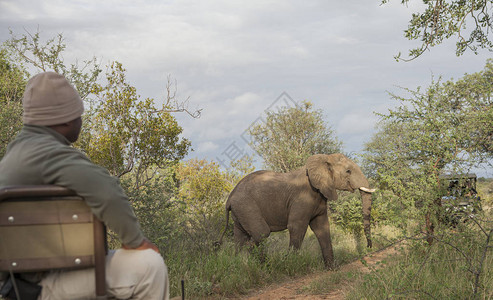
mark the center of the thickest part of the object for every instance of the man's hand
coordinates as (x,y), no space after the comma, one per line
(146,244)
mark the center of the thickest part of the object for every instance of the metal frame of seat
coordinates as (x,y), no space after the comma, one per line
(47,227)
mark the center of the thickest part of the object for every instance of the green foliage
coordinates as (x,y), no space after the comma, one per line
(471,96)
(445,128)
(202,182)
(200,199)
(348,212)
(152,203)
(442,20)
(12,82)
(197,195)
(388,210)
(12,79)
(123,132)
(31,51)
(240,168)
(455,267)
(290,135)
(10,123)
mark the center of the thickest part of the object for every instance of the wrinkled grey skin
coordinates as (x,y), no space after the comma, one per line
(266,201)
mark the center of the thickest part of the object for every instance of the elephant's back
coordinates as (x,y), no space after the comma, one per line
(266,180)
(261,180)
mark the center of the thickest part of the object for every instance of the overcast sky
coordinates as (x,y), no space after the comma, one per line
(235,58)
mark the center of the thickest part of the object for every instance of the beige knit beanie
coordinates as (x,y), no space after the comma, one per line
(49,99)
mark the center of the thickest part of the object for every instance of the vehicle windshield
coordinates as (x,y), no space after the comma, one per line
(459,186)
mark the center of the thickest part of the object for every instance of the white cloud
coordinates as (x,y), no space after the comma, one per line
(356,123)
(224,119)
(207,146)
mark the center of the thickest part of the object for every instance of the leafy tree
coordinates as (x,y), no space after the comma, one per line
(10,123)
(347,215)
(290,135)
(471,96)
(239,168)
(202,192)
(31,51)
(126,133)
(153,205)
(203,183)
(12,79)
(12,83)
(198,204)
(431,132)
(120,131)
(442,20)
(386,155)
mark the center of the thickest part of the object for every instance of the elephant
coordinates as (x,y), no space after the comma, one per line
(266,201)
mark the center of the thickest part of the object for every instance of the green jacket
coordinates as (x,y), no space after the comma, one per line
(40,155)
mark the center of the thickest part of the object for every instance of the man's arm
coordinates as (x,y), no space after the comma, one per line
(146,244)
(101,191)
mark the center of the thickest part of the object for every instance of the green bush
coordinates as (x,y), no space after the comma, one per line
(456,266)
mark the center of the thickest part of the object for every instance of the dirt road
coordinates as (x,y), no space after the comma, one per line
(294,289)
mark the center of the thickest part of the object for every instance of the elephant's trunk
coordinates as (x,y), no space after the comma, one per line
(360,182)
(366,203)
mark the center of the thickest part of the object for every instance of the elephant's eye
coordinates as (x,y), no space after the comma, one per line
(348,172)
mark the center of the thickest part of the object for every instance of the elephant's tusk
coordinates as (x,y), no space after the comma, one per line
(367,190)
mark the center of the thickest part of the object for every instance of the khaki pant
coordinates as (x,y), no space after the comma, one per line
(130,274)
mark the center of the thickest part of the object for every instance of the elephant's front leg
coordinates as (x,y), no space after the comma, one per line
(320,226)
(297,231)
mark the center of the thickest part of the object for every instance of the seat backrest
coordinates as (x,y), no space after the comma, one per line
(49,227)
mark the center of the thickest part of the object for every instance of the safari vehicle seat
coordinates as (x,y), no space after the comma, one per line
(47,227)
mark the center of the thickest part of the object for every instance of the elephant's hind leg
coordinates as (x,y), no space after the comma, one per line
(241,236)
(252,223)
(250,226)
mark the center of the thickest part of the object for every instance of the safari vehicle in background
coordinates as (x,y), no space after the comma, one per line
(459,197)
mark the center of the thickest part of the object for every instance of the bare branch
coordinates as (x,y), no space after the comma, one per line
(173,105)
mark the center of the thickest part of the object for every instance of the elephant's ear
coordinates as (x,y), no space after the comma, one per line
(320,174)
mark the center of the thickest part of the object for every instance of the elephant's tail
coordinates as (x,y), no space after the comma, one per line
(219,243)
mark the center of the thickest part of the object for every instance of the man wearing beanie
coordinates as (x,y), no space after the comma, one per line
(42,154)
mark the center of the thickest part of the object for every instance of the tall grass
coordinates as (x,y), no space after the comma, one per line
(457,266)
(230,272)
(437,272)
